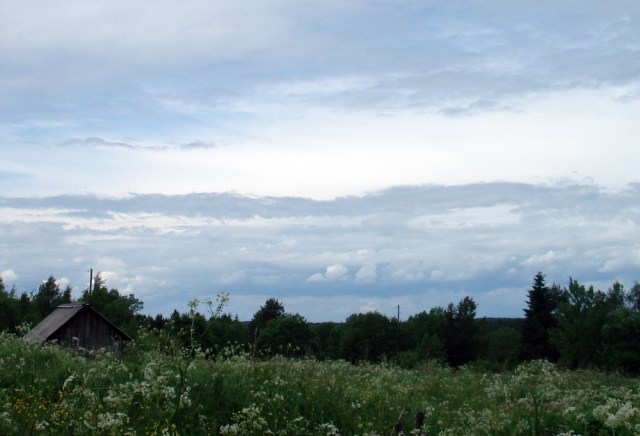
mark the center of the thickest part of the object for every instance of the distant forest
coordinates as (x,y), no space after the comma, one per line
(574,326)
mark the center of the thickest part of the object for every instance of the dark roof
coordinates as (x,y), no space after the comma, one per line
(59,317)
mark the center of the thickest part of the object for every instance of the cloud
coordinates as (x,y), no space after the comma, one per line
(619,262)
(545,260)
(63,282)
(408,274)
(195,153)
(8,275)
(234,277)
(367,274)
(197,145)
(332,273)
(460,240)
(109,263)
(98,142)
(196,67)
(132,144)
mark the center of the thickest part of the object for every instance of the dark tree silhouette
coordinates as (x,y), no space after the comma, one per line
(272,309)
(461,339)
(539,320)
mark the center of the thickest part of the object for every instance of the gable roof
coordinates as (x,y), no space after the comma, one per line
(59,317)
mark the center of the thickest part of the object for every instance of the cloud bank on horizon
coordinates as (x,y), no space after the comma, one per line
(417,247)
(269,147)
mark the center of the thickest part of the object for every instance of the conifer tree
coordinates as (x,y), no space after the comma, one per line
(539,320)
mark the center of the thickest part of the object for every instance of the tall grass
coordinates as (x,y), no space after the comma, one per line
(158,388)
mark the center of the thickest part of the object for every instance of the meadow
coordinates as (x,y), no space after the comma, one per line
(157,387)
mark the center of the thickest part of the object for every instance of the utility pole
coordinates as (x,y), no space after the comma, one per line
(90,280)
(398,332)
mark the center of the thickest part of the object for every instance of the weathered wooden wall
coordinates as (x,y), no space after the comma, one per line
(91,330)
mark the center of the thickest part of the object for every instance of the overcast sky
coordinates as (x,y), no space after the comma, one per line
(341,156)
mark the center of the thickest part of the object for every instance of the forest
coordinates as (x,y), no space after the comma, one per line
(575,326)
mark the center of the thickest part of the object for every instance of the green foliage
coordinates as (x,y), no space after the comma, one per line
(581,317)
(272,309)
(10,313)
(633,297)
(577,326)
(428,331)
(328,334)
(116,307)
(460,338)
(621,341)
(540,320)
(276,332)
(49,297)
(289,335)
(158,388)
(502,347)
(450,334)
(367,337)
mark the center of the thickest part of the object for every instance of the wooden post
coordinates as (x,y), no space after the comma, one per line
(398,332)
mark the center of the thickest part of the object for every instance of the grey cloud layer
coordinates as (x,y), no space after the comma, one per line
(422,243)
(209,63)
(132,145)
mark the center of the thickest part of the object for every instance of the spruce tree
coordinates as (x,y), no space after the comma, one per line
(539,320)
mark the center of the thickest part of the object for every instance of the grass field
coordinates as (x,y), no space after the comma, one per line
(160,389)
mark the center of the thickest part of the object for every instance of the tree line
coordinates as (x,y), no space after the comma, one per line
(575,326)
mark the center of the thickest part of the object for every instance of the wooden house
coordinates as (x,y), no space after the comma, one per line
(78,326)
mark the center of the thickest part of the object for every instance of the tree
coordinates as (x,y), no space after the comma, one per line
(9,308)
(328,334)
(460,339)
(633,297)
(502,348)
(289,335)
(621,333)
(271,310)
(367,337)
(117,308)
(621,341)
(429,331)
(50,296)
(539,320)
(581,315)
(228,331)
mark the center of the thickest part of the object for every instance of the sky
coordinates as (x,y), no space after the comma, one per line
(340,156)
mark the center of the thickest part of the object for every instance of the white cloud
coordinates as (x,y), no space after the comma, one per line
(332,273)
(63,282)
(546,259)
(621,261)
(108,265)
(234,277)
(112,279)
(499,115)
(367,274)
(188,78)
(369,307)
(336,272)
(409,273)
(8,275)
(317,277)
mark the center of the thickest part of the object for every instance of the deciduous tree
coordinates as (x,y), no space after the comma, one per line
(272,309)
(461,333)
(288,335)
(118,308)
(367,337)
(50,296)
